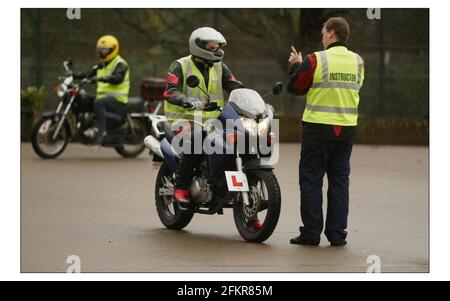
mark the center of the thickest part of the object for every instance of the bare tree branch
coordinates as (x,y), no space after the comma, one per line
(241,24)
(147,33)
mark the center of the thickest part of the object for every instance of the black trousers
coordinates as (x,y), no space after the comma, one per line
(189,160)
(102,105)
(185,170)
(317,158)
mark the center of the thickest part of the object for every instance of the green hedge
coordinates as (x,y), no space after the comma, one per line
(371,130)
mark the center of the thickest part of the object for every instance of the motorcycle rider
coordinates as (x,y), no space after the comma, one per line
(112,76)
(205,62)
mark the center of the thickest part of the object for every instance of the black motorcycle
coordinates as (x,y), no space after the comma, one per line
(74,119)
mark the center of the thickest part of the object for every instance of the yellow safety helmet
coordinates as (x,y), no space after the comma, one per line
(107,48)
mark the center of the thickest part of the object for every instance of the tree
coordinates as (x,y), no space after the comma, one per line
(277,29)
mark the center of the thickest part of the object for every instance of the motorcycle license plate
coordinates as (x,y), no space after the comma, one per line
(236,181)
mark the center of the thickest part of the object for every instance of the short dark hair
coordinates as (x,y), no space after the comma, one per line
(340,27)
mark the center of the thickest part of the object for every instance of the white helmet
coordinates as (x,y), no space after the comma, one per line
(200,37)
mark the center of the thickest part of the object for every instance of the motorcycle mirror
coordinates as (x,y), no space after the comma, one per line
(192,81)
(68,64)
(277,88)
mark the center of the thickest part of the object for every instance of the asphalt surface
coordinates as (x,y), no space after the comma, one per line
(93,204)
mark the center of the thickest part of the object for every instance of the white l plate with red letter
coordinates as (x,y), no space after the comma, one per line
(236,181)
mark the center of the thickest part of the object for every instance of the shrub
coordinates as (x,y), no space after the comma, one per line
(33,97)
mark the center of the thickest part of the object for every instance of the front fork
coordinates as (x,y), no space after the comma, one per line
(64,116)
(244,193)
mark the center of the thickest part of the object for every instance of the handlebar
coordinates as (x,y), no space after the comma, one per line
(212,106)
(86,81)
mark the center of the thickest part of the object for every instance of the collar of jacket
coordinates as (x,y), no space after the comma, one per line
(200,65)
(337,44)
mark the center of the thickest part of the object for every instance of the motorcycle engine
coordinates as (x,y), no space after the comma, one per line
(87,127)
(200,190)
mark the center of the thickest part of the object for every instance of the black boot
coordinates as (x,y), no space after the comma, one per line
(302,241)
(338,243)
(100,137)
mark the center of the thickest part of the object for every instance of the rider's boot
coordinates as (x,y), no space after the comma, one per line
(100,137)
(183,178)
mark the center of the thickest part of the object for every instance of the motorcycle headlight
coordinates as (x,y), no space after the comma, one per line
(263,127)
(250,125)
(61,90)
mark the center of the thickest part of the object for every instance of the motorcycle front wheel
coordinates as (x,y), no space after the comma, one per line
(257,221)
(169,212)
(42,138)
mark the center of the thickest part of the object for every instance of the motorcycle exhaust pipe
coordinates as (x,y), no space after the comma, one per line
(154,145)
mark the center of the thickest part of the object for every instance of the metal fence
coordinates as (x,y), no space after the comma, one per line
(395,49)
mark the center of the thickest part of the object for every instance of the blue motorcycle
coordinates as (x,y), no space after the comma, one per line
(238,176)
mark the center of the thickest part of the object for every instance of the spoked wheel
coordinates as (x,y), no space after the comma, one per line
(134,139)
(257,221)
(42,138)
(169,212)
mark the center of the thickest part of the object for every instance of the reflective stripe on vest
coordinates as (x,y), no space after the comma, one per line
(330,109)
(214,90)
(327,84)
(119,91)
(334,94)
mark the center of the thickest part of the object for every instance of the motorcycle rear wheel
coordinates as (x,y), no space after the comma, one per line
(171,216)
(137,147)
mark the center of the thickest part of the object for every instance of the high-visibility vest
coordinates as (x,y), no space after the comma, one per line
(175,112)
(120,91)
(334,95)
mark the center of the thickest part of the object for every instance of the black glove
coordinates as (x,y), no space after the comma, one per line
(194,103)
(90,80)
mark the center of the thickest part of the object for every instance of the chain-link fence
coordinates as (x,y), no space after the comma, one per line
(395,48)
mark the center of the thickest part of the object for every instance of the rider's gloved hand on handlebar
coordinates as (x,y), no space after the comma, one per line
(91,80)
(194,103)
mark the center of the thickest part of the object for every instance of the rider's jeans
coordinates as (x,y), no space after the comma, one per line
(185,169)
(102,105)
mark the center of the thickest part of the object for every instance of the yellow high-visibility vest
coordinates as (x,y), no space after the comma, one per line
(334,95)
(120,91)
(174,112)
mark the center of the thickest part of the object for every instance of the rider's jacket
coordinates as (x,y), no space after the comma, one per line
(116,76)
(117,90)
(177,90)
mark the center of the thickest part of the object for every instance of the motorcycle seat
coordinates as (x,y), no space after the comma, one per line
(113,116)
(134,104)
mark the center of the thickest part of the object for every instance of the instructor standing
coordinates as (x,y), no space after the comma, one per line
(331,80)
